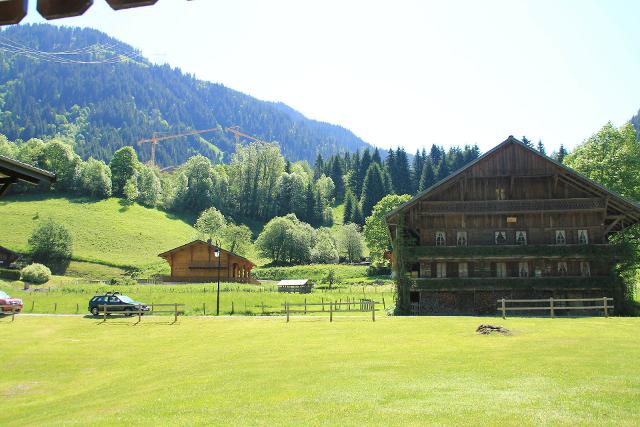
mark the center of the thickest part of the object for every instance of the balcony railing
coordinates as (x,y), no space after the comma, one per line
(618,251)
(511,206)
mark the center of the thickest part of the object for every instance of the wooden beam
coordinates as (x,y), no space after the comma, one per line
(613,224)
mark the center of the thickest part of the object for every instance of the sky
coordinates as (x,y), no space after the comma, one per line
(406,73)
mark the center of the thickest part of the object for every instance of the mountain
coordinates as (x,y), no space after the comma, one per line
(88,86)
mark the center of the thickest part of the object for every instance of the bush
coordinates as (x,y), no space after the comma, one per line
(122,281)
(9,274)
(50,242)
(36,274)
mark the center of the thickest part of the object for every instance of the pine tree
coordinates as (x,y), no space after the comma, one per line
(416,171)
(562,153)
(442,171)
(428,177)
(402,184)
(318,167)
(373,189)
(376,157)
(310,198)
(349,204)
(357,217)
(436,154)
(541,148)
(526,141)
(365,162)
(337,175)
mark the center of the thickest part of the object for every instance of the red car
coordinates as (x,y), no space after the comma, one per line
(9,305)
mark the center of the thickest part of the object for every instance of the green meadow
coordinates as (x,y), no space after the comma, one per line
(263,371)
(71,296)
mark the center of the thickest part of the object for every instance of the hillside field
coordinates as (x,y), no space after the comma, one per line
(264,371)
(104,232)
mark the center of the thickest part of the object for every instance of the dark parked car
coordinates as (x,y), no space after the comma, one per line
(115,302)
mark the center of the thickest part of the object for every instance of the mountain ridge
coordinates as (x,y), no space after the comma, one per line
(120,103)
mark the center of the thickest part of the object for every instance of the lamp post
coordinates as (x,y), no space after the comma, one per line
(216,252)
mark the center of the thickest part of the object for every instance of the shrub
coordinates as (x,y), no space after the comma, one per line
(122,281)
(9,274)
(50,242)
(36,274)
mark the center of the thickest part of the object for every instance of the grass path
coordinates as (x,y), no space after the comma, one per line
(263,371)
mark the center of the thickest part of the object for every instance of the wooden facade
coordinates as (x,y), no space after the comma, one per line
(513,223)
(12,171)
(196,262)
(7,257)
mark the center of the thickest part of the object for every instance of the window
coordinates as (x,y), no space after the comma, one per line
(501,269)
(523,269)
(463,269)
(441,270)
(583,237)
(461,239)
(562,268)
(521,237)
(561,237)
(501,237)
(501,194)
(440,238)
(585,269)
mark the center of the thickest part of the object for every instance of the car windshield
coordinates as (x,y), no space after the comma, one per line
(3,295)
(126,299)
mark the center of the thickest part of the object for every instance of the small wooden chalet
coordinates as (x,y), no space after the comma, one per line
(12,171)
(196,262)
(512,224)
(295,286)
(7,257)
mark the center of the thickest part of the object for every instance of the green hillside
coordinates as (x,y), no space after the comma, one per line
(106,232)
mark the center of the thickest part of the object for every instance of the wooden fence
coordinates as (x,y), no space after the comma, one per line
(363,305)
(555,305)
(127,310)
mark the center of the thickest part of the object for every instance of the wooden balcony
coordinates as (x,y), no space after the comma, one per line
(511,206)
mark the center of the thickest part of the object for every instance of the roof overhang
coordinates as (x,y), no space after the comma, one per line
(12,171)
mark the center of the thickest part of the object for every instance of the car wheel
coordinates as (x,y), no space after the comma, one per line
(128,311)
(95,311)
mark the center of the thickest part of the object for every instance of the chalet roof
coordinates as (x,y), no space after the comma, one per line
(10,168)
(630,208)
(9,251)
(198,241)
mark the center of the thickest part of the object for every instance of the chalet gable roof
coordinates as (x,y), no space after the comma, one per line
(199,241)
(624,205)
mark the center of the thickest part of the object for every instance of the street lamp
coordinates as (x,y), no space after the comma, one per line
(216,252)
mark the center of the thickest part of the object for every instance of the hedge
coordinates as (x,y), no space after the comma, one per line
(9,274)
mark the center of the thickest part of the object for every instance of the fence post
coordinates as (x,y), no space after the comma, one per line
(77,308)
(139,313)
(330,312)
(322,303)
(55,307)
(384,306)
(104,313)
(13,313)
(504,311)
(551,307)
(305,306)
(233,309)
(606,309)
(203,309)
(373,311)
(175,318)
(287,305)
(32,304)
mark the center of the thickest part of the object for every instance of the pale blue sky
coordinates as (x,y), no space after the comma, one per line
(408,73)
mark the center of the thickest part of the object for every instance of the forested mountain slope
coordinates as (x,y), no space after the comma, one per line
(110,104)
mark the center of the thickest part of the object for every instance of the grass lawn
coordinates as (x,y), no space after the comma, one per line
(104,231)
(263,371)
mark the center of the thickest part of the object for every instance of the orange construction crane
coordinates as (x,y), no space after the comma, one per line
(236,131)
(155,139)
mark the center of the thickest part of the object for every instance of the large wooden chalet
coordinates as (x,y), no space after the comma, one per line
(512,224)
(196,262)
